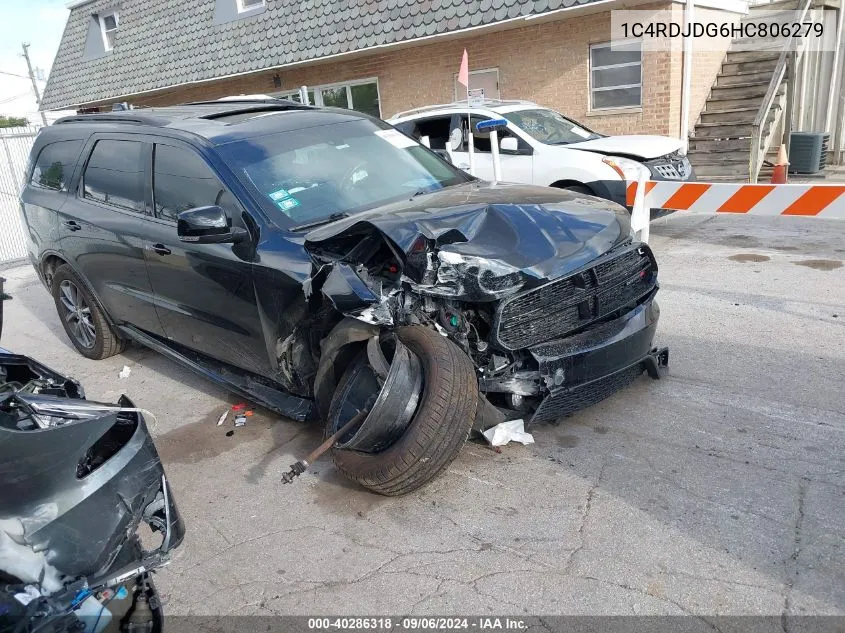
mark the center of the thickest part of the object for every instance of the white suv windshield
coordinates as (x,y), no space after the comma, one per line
(317,172)
(550,127)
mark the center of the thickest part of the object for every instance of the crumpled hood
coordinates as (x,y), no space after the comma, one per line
(637,145)
(543,232)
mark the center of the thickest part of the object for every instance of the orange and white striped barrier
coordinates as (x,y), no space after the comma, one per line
(826,201)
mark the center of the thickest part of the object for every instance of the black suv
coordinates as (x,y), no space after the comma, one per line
(324,264)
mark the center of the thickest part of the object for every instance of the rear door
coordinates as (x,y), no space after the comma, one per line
(45,192)
(204,292)
(103,228)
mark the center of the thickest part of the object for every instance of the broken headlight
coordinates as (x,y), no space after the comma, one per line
(470,277)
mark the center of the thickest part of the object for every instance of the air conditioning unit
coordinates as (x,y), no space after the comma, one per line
(807,152)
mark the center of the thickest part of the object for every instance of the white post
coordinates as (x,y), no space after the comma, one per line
(303,95)
(686,79)
(494,149)
(470,144)
(640,213)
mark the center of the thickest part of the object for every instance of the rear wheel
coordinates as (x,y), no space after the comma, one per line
(82,318)
(438,428)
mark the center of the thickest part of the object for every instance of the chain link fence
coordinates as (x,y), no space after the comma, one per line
(15,144)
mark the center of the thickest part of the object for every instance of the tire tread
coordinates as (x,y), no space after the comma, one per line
(437,431)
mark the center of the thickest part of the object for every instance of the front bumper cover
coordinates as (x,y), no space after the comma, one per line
(581,370)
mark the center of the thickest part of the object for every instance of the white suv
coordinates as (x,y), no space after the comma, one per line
(543,147)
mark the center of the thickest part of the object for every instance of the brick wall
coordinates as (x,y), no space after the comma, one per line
(707,58)
(546,62)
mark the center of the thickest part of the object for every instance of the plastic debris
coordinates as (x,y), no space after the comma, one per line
(20,560)
(510,431)
(223,418)
(240,420)
(124,373)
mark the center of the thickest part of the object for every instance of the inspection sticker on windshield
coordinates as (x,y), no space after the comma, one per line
(397,139)
(279,194)
(287,203)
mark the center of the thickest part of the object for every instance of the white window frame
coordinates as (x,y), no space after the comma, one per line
(318,91)
(242,8)
(592,68)
(104,31)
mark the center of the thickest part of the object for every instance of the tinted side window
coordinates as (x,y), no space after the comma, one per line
(182,180)
(115,174)
(55,163)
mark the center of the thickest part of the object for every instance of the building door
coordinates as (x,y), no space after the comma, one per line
(481,83)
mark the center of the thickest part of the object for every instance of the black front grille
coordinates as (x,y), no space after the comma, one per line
(563,403)
(566,305)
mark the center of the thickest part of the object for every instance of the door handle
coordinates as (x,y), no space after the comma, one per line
(161,249)
(73,226)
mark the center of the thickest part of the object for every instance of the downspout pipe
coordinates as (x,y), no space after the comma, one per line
(686,78)
(835,79)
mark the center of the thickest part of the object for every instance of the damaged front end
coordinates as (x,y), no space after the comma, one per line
(555,307)
(86,511)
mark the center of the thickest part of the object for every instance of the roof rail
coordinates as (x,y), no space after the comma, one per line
(253,100)
(472,103)
(253,106)
(100,116)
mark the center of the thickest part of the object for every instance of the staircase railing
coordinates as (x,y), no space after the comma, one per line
(789,56)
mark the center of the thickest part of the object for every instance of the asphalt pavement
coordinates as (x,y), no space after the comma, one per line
(718,489)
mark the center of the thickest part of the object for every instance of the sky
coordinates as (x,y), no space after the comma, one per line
(39,23)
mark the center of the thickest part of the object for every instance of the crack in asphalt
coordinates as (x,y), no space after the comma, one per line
(792,566)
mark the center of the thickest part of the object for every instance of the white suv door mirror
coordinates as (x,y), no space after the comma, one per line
(509,144)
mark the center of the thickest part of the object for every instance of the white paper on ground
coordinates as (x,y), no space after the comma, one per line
(510,431)
(124,373)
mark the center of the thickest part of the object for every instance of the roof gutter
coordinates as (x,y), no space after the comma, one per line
(76,3)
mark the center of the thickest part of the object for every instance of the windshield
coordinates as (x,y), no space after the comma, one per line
(550,127)
(318,172)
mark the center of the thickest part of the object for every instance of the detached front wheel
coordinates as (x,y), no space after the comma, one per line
(438,429)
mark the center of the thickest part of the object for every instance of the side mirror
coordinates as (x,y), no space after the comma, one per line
(442,153)
(456,139)
(208,225)
(509,144)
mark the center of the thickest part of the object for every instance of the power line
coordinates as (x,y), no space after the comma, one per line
(3,72)
(18,96)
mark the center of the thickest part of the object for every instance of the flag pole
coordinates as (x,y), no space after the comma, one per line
(470,135)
